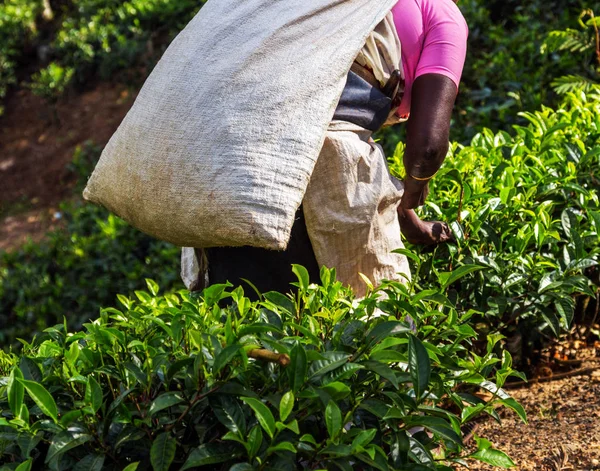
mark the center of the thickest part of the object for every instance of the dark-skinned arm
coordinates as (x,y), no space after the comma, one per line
(428,130)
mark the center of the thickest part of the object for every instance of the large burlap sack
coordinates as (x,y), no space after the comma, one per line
(220,144)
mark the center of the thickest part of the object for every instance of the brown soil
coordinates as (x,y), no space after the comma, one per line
(563,432)
(37,141)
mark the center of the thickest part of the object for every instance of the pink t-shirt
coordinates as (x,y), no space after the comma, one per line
(433,36)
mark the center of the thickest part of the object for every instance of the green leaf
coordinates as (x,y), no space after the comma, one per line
(162,452)
(436,425)
(92,462)
(225,356)
(263,415)
(382,370)
(419,365)
(303,277)
(308,439)
(447,278)
(363,438)
(24,413)
(15,391)
(333,419)
(132,467)
(286,405)
(65,441)
(386,329)
(25,465)
(298,367)
(330,362)
(282,446)
(255,439)
(93,394)
(137,373)
(209,454)
(152,286)
(42,398)
(471,412)
(242,467)
(518,408)
(229,412)
(164,401)
(489,455)
(31,371)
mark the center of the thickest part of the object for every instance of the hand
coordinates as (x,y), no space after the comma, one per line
(420,232)
(415,193)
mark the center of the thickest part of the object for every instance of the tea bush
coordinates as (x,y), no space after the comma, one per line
(84,39)
(77,270)
(525,206)
(100,37)
(313,381)
(507,68)
(17,28)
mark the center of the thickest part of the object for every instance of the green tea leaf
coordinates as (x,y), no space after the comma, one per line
(518,408)
(25,465)
(225,356)
(386,329)
(229,412)
(333,419)
(242,467)
(282,446)
(31,371)
(255,439)
(65,441)
(162,452)
(363,438)
(164,401)
(436,425)
(132,467)
(303,277)
(298,367)
(93,394)
(419,365)
(286,405)
(42,398)
(15,391)
(447,278)
(263,415)
(330,362)
(382,370)
(490,455)
(209,453)
(92,462)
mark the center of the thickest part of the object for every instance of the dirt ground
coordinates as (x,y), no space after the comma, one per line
(37,141)
(563,433)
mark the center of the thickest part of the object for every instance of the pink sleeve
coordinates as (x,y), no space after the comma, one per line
(445,42)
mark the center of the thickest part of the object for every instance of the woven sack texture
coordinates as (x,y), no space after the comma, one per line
(220,144)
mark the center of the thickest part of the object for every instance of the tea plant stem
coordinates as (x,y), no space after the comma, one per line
(271,357)
(197,398)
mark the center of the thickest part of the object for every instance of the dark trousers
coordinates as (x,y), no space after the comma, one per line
(268,270)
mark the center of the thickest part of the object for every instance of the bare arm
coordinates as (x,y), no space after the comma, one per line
(428,131)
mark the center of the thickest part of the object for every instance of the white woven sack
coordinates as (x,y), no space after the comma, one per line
(220,144)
